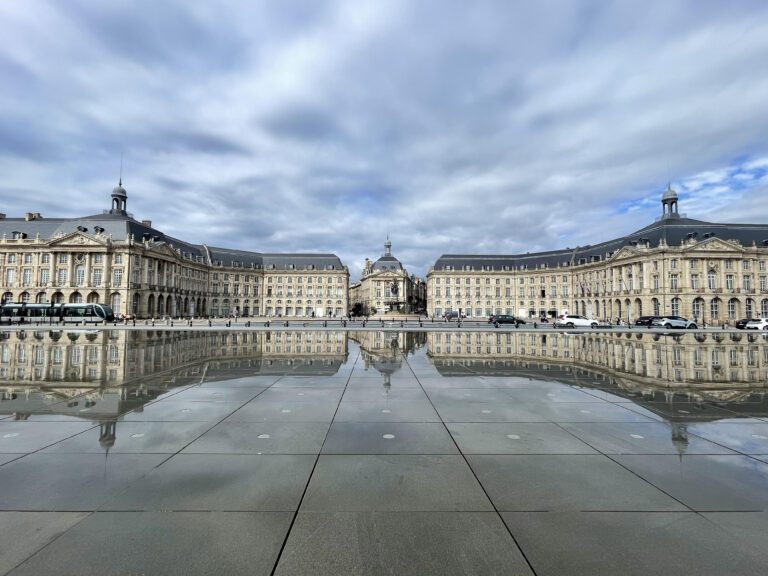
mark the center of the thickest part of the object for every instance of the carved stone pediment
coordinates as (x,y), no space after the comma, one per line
(714,245)
(624,253)
(79,239)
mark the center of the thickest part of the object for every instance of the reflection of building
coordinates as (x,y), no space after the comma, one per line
(385,286)
(135,268)
(676,265)
(56,359)
(712,360)
(98,376)
(384,351)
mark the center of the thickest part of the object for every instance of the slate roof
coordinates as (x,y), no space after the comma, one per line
(122,227)
(387,263)
(674,231)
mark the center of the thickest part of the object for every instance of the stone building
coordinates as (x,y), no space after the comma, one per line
(712,273)
(137,269)
(385,287)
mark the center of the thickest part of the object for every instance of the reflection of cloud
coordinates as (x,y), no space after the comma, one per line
(489,127)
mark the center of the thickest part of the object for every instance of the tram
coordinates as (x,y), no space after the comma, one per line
(23,312)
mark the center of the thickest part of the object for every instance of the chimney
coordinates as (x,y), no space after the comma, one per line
(147,223)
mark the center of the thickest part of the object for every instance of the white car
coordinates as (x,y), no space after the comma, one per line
(575,321)
(757,324)
(674,322)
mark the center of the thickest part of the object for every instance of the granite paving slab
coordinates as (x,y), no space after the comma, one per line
(388,438)
(69,482)
(413,543)
(629,543)
(24,533)
(168,543)
(219,482)
(393,483)
(565,482)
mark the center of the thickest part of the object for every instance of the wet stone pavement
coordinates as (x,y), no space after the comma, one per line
(382,454)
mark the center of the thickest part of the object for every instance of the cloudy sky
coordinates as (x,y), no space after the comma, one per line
(456,127)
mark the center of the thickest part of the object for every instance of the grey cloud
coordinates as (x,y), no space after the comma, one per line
(490,127)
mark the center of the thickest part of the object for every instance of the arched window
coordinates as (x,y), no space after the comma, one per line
(675,306)
(764,308)
(733,306)
(698,308)
(714,309)
(655,306)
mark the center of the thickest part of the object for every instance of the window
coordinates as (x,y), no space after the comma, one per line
(61,278)
(695,281)
(675,306)
(97,277)
(711,280)
(714,309)
(117,277)
(731,309)
(747,279)
(729,281)
(79,276)
(673,282)
(45,276)
(118,259)
(46,259)
(62,258)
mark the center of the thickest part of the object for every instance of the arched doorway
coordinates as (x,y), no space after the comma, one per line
(93,297)
(75,298)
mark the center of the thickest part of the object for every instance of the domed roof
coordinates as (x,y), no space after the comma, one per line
(669,194)
(119,190)
(387,263)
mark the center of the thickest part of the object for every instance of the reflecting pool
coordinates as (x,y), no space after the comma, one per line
(383,452)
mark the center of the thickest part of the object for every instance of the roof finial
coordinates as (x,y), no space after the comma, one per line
(120,183)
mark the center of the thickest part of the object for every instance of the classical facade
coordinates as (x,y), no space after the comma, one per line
(386,286)
(135,268)
(712,273)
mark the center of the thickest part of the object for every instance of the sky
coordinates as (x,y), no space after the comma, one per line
(488,127)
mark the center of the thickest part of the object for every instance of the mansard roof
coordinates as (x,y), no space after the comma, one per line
(121,227)
(671,231)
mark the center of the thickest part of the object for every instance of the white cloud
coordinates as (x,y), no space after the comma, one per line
(485,127)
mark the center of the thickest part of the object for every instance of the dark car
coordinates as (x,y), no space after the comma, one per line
(646,320)
(497,319)
(742,324)
(453,315)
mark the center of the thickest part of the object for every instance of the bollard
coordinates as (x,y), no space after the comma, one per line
(171,322)
(420,324)
(209,323)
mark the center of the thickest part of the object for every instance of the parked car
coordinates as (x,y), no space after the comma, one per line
(742,324)
(453,315)
(497,319)
(757,324)
(575,321)
(674,322)
(646,320)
